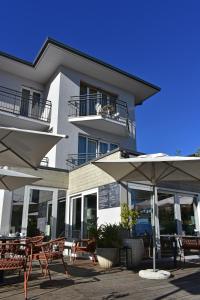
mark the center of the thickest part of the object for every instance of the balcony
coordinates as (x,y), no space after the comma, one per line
(75,160)
(94,111)
(29,113)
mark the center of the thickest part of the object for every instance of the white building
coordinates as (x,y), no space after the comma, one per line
(65,91)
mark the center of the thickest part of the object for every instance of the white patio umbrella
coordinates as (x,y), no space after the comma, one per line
(11,180)
(152,169)
(25,148)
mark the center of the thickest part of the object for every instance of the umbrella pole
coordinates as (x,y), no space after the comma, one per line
(154,228)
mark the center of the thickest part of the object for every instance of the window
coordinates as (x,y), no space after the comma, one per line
(166,214)
(187,205)
(89,148)
(90,96)
(30,103)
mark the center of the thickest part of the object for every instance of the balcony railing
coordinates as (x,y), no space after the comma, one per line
(75,160)
(12,101)
(97,104)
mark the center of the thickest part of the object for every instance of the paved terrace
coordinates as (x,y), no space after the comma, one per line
(90,282)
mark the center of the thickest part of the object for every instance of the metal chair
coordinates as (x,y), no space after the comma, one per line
(10,259)
(84,246)
(47,252)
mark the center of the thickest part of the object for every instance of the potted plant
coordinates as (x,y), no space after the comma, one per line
(129,218)
(108,243)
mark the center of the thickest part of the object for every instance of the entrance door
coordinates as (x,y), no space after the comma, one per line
(76,209)
(60,228)
(89,214)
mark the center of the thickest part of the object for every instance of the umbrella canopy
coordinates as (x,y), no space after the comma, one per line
(152,169)
(10,180)
(25,148)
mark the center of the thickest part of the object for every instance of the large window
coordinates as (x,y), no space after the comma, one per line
(83,215)
(90,96)
(30,103)
(167,221)
(187,205)
(141,201)
(89,148)
(39,213)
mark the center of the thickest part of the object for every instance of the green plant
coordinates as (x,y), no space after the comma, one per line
(129,217)
(108,236)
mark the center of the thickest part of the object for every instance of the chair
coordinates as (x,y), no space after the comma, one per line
(84,246)
(47,252)
(186,244)
(11,260)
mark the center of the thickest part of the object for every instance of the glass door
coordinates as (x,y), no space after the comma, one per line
(92,101)
(89,214)
(35,111)
(103,148)
(92,149)
(60,227)
(76,208)
(24,108)
(83,100)
(82,150)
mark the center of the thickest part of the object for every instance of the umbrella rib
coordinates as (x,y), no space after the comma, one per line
(7,134)
(161,175)
(1,179)
(8,148)
(137,169)
(179,169)
(2,151)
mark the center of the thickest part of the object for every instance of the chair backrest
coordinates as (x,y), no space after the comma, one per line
(190,243)
(36,239)
(13,255)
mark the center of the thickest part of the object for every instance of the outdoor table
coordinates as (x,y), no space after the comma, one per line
(3,239)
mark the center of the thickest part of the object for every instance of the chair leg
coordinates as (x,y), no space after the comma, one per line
(25,285)
(29,268)
(41,267)
(64,265)
(47,269)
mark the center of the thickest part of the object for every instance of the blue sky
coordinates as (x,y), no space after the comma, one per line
(156,40)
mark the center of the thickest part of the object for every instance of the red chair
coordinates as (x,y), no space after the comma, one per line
(11,260)
(84,246)
(47,252)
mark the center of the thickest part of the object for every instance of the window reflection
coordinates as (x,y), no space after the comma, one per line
(141,200)
(166,213)
(187,204)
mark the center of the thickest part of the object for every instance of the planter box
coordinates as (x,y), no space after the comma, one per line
(137,247)
(107,257)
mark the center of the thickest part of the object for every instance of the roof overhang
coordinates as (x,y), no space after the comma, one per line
(54,54)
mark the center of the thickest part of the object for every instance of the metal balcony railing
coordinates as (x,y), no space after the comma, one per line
(12,101)
(75,160)
(97,104)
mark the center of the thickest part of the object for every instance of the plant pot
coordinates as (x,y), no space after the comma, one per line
(137,249)
(107,257)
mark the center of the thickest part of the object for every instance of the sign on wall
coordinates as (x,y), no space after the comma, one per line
(109,195)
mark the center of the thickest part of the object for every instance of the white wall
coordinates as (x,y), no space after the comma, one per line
(109,216)
(16,82)
(61,87)
(5,211)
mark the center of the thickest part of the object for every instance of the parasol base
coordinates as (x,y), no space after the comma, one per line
(150,274)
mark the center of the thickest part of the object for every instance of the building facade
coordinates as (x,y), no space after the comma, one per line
(65,91)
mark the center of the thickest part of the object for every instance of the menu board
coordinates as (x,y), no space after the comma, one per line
(109,195)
